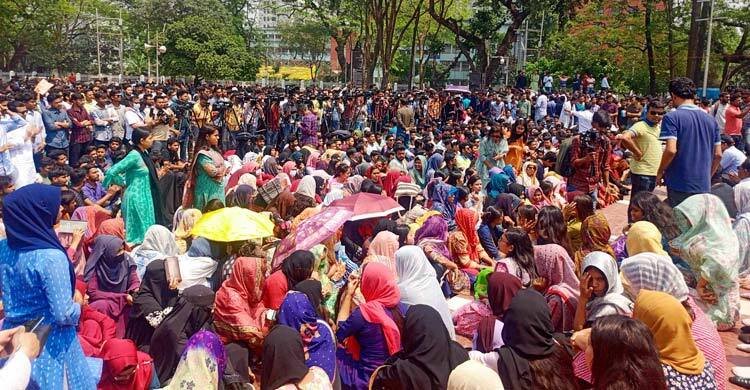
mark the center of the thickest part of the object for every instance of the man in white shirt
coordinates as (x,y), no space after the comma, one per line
(731,157)
(541,107)
(16,372)
(584,118)
(718,111)
(34,118)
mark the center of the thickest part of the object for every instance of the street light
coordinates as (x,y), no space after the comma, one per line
(159,50)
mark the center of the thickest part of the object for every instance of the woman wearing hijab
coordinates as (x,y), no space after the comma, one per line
(535,196)
(508,203)
(201,365)
(239,315)
(159,243)
(154,301)
(501,288)
(428,358)
(353,184)
(464,245)
(94,327)
(183,225)
(498,185)
(191,313)
(112,280)
(295,268)
(370,332)
(284,365)
(685,366)
(125,368)
(601,292)
(529,338)
(595,234)
(558,283)
(527,178)
(431,237)
(419,172)
(141,200)
(298,312)
(434,164)
(382,250)
(38,281)
(709,245)
(444,200)
(197,265)
(304,197)
(648,270)
(242,196)
(418,285)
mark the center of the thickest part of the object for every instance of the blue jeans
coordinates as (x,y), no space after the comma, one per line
(642,183)
(592,194)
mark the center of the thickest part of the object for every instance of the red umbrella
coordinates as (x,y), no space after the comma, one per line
(366,205)
(311,232)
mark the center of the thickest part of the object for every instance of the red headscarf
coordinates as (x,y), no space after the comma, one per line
(94,327)
(380,291)
(466,220)
(119,355)
(274,290)
(113,227)
(239,311)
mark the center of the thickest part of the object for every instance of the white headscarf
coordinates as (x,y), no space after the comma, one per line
(649,271)
(526,180)
(250,157)
(741,225)
(418,283)
(613,301)
(158,243)
(306,187)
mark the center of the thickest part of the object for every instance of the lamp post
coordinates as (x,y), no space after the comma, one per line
(159,50)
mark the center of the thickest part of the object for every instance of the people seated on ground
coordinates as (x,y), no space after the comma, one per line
(158,243)
(284,362)
(156,298)
(112,280)
(559,284)
(601,291)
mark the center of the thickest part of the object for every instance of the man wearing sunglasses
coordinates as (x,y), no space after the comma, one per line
(642,139)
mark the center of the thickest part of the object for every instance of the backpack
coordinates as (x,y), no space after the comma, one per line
(564,165)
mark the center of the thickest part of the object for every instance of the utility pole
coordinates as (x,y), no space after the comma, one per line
(98,45)
(708,48)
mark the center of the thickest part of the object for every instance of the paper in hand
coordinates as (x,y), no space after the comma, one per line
(43,87)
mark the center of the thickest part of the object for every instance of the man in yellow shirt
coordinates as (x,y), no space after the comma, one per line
(642,139)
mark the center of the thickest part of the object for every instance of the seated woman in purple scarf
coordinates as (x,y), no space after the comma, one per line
(112,279)
(431,237)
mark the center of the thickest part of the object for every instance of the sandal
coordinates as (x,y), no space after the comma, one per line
(740,381)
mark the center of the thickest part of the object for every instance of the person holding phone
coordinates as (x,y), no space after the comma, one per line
(20,347)
(38,280)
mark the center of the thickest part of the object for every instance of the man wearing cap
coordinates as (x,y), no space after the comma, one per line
(731,157)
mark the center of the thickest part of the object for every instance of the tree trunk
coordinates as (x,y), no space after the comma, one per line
(19,52)
(413,51)
(342,39)
(518,17)
(650,48)
(670,38)
(696,38)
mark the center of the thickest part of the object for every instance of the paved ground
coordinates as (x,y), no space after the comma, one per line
(617,216)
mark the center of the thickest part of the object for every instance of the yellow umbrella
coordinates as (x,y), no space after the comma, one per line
(233,224)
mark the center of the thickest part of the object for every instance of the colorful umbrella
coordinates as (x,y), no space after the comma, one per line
(311,232)
(233,224)
(366,205)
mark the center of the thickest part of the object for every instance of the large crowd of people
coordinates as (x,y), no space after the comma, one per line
(400,239)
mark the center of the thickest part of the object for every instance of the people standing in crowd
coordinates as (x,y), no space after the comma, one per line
(693,147)
(642,139)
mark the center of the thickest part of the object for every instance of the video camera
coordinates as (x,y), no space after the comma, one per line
(590,140)
(221,105)
(180,108)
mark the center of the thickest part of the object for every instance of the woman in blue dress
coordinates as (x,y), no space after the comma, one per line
(38,281)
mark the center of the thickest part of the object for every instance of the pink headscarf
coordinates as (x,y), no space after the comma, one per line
(383,250)
(380,291)
(554,264)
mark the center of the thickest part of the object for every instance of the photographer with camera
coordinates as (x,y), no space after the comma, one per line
(163,120)
(589,156)
(254,116)
(201,111)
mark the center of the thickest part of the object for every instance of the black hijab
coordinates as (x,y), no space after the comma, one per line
(154,184)
(298,267)
(428,356)
(153,296)
(190,314)
(112,269)
(283,358)
(313,289)
(528,333)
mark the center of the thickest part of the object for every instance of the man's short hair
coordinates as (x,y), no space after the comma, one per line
(682,87)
